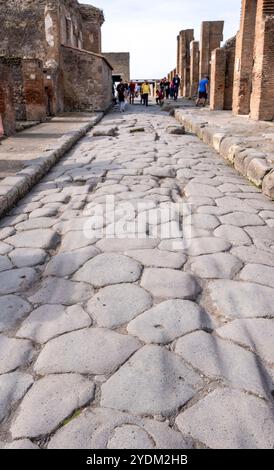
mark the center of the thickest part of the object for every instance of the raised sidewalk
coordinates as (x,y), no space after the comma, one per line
(247,145)
(26,157)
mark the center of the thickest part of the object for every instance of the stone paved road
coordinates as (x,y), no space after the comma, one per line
(138,343)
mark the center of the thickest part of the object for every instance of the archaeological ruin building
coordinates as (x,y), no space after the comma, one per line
(51,60)
(241,71)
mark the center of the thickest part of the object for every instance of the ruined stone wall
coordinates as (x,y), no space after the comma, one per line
(217,86)
(230,47)
(33,89)
(7,110)
(262,97)
(92,19)
(211,38)
(120,61)
(87,80)
(194,68)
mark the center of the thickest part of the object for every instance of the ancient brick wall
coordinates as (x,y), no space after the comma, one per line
(262,97)
(87,80)
(244,58)
(218,70)
(194,68)
(230,47)
(33,88)
(211,38)
(7,111)
(120,61)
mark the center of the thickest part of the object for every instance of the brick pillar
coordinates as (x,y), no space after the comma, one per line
(211,38)
(229,46)
(194,68)
(7,110)
(34,92)
(185,38)
(217,88)
(178,55)
(244,58)
(262,97)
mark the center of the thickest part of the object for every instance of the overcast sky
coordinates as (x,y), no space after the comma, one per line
(148,29)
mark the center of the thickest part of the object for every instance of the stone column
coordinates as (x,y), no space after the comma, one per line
(244,58)
(262,97)
(229,76)
(7,111)
(211,38)
(185,38)
(194,68)
(217,88)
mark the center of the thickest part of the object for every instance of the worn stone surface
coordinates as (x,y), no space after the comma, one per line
(53,398)
(229,419)
(27,257)
(21,444)
(108,269)
(14,353)
(235,299)
(90,351)
(44,239)
(65,264)
(158,259)
(168,321)
(217,266)
(17,280)
(170,283)
(257,334)
(12,309)
(151,372)
(216,358)
(102,428)
(61,291)
(13,387)
(117,305)
(258,273)
(234,235)
(49,321)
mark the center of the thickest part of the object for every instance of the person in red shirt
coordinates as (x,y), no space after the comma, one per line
(131,92)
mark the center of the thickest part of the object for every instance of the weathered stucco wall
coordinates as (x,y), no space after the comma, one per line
(87,80)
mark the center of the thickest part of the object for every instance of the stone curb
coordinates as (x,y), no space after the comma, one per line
(253,164)
(14,188)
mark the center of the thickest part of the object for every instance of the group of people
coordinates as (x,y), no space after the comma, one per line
(126,93)
(167,89)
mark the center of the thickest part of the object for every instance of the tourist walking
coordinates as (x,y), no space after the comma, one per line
(121,90)
(167,89)
(171,90)
(131,92)
(176,86)
(203,91)
(145,92)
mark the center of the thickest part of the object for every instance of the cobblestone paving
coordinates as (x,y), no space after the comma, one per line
(138,343)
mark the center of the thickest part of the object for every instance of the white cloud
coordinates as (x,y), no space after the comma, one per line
(148,30)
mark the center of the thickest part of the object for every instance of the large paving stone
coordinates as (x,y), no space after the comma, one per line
(102,428)
(217,358)
(14,353)
(12,309)
(170,283)
(106,269)
(62,291)
(229,419)
(95,351)
(258,273)
(116,305)
(235,204)
(235,299)
(202,190)
(45,239)
(207,245)
(27,257)
(5,248)
(52,320)
(216,266)
(169,320)
(205,221)
(158,258)
(21,444)
(124,244)
(5,263)
(242,219)
(39,223)
(261,233)
(256,333)
(48,402)
(65,264)
(252,254)
(17,280)
(13,387)
(234,235)
(153,381)
(75,240)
